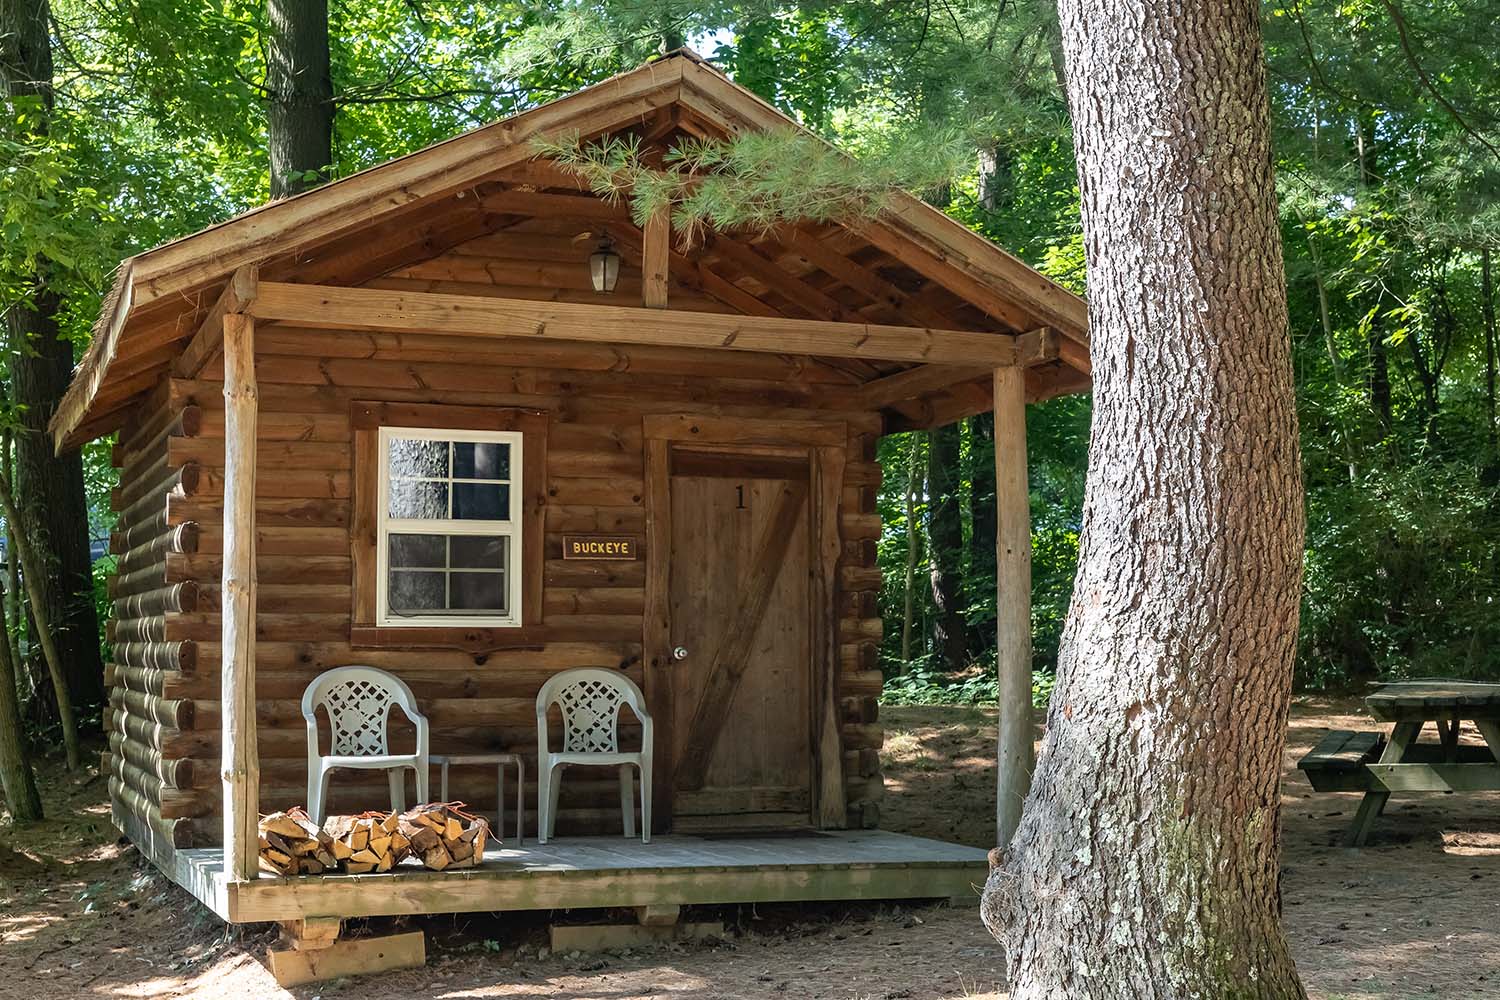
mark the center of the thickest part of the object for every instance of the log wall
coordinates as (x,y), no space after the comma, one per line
(164,707)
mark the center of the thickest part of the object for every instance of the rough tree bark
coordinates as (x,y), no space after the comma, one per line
(17,780)
(299,77)
(49,488)
(945,536)
(1146,862)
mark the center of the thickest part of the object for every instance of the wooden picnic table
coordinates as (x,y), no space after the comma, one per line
(1406,765)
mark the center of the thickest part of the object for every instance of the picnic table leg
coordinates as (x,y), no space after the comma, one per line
(1402,737)
(1490,730)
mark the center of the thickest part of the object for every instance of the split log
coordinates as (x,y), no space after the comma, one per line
(444,836)
(369,842)
(291,844)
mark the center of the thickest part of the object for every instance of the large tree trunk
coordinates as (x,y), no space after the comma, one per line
(298,75)
(17,780)
(945,536)
(49,489)
(1146,862)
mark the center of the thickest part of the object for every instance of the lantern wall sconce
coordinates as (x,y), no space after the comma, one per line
(604,266)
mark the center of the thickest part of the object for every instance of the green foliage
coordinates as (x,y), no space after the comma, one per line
(752,182)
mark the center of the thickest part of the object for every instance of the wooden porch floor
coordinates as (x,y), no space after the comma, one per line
(586,872)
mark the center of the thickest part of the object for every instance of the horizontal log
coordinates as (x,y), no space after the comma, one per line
(852,525)
(122,540)
(473,315)
(859,657)
(175,833)
(269,511)
(860,630)
(858,736)
(334,456)
(280,684)
(185,481)
(595,492)
(268,569)
(128,630)
(148,787)
(622,520)
(281,540)
(149,437)
(282,482)
(861,577)
(149,552)
(170,773)
(174,597)
(626,403)
(285,598)
(283,627)
(170,712)
(138,581)
(273,426)
(157,655)
(594,574)
(143,679)
(318,656)
(594,601)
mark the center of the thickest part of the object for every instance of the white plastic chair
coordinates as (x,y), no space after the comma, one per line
(358,701)
(590,700)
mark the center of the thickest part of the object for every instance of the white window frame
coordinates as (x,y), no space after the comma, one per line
(511,529)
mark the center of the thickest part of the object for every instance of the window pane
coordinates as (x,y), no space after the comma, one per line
(409,592)
(478,591)
(421,551)
(414,498)
(473,460)
(477,551)
(481,502)
(417,457)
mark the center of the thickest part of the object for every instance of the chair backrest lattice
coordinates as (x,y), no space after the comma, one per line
(358,701)
(590,700)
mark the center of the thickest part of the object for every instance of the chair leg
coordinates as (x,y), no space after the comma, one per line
(646,805)
(323,777)
(424,783)
(315,795)
(554,781)
(396,776)
(627,800)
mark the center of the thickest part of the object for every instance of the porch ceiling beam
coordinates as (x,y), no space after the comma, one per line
(468,315)
(1034,348)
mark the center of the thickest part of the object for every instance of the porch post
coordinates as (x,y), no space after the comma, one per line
(241,761)
(1012,600)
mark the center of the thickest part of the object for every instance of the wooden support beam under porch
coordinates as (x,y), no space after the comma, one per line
(484,316)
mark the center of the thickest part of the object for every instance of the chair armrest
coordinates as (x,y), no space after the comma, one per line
(420,722)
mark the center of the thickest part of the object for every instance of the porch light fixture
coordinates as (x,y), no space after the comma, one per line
(604,266)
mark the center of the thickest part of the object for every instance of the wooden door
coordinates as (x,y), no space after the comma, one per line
(740,607)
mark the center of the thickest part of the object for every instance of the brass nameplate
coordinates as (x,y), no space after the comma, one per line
(621,547)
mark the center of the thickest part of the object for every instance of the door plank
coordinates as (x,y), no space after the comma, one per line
(733,654)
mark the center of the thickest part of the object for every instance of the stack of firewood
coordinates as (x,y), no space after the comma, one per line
(369,842)
(292,844)
(443,835)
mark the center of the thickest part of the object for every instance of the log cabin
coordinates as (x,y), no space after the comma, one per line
(714,417)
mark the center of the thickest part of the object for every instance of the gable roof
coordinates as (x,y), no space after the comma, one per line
(160,296)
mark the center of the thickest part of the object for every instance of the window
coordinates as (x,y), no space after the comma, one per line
(449,539)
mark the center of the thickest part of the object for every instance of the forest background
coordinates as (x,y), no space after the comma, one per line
(1387,137)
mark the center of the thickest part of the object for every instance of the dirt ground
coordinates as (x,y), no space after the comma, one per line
(1416,914)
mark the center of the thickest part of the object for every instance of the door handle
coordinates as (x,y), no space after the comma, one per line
(679,652)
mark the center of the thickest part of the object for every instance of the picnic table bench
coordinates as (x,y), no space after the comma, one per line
(1348,761)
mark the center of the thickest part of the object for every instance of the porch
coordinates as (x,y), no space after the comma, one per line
(602,872)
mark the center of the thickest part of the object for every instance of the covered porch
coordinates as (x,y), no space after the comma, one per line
(607,872)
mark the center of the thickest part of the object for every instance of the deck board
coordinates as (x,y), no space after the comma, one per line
(588,872)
